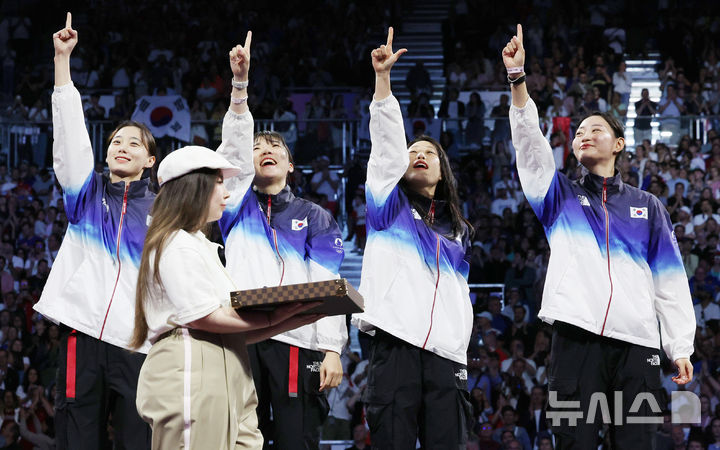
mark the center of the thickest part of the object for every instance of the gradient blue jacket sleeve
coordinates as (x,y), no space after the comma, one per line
(388,162)
(673,304)
(237,147)
(73,159)
(541,182)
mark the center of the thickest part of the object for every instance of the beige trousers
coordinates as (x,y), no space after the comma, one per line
(196,392)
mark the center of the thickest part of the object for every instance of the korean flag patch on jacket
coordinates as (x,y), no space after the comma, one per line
(298,225)
(637,212)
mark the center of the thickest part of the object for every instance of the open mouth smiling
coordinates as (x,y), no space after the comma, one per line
(420,165)
(267,162)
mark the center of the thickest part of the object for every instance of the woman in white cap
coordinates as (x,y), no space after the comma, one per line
(195,387)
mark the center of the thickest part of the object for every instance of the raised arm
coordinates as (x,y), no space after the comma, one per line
(237,128)
(383,59)
(240,66)
(535,162)
(388,156)
(513,56)
(64,42)
(72,151)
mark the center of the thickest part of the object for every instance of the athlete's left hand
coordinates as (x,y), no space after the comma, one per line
(685,371)
(331,371)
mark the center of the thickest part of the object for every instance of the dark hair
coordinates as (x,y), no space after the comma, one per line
(273,137)
(181,204)
(445,190)
(26,379)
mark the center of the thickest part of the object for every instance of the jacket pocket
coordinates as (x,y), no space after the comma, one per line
(381,379)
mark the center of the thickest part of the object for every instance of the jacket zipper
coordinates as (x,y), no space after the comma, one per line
(117,252)
(437,282)
(607,251)
(281,261)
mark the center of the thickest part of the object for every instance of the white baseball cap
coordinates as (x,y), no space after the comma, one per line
(187,159)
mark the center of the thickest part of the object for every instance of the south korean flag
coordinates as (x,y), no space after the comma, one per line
(298,225)
(639,212)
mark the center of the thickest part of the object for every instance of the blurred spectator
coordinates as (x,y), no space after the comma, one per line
(93,110)
(670,109)
(456,76)
(622,81)
(39,111)
(485,437)
(475,128)
(285,119)
(520,276)
(501,130)
(420,107)
(617,108)
(338,113)
(326,182)
(517,433)
(198,131)
(453,109)
(418,80)
(359,435)
(120,110)
(17,111)
(534,419)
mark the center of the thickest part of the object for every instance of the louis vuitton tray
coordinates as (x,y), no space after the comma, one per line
(337,297)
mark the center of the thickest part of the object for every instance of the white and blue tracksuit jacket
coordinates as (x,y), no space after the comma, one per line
(414,279)
(91,286)
(615,268)
(299,243)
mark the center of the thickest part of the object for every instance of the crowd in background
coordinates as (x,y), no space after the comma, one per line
(575,65)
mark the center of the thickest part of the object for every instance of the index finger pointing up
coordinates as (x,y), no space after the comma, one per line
(248,39)
(519,32)
(68,20)
(390,37)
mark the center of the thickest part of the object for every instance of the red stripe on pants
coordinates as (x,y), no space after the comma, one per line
(71,368)
(293,372)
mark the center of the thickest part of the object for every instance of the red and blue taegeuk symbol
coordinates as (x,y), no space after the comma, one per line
(162,115)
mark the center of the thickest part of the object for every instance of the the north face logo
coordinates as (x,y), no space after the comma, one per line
(314,367)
